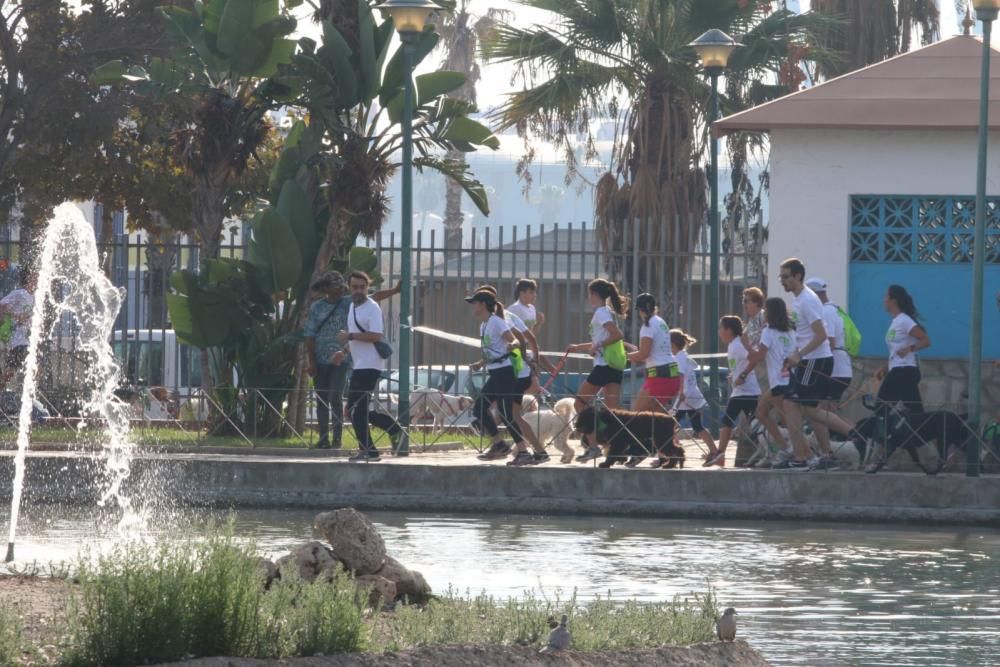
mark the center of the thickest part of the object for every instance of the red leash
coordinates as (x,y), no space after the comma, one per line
(555,371)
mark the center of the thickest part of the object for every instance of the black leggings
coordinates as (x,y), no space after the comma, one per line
(499,389)
(902,384)
(359,394)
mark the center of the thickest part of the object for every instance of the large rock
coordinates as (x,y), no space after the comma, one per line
(311,561)
(379,588)
(410,584)
(354,539)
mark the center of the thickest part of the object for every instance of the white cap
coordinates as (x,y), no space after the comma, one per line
(816,284)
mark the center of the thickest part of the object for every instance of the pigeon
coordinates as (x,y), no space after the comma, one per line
(725,626)
(559,638)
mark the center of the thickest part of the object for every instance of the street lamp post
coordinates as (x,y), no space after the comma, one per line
(714,48)
(408,17)
(986,11)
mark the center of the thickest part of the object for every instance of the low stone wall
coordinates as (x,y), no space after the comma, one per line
(730,494)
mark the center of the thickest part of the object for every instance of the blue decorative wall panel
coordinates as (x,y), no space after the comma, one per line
(925,244)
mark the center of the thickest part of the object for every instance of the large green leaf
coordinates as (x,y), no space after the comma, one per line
(266,10)
(295,206)
(235,26)
(469,131)
(195,324)
(427,88)
(367,58)
(335,54)
(184,281)
(109,73)
(392,80)
(276,248)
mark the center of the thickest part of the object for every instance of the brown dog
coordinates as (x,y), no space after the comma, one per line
(631,436)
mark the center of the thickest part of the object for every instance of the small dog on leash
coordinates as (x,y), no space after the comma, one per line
(631,436)
(941,429)
(767,453)
(552,427)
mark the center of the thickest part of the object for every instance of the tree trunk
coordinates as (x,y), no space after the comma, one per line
(453,218)
(207,201)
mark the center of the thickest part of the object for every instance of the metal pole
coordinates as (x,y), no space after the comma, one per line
(406,269)
(987,16)
(713,297)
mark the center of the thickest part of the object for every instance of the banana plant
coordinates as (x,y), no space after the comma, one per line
(351,85)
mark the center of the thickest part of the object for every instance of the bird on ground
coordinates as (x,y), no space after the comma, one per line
(559,638)
(725,626)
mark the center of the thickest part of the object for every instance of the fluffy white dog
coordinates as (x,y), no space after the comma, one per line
(551,426)
(766,453)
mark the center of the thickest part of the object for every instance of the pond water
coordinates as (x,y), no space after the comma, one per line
(807,594)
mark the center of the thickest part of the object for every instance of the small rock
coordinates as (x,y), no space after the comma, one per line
(310,561)
(354,539)
(409,583)
(379,588)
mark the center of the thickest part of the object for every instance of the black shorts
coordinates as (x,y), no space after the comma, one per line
(605,375)
(810,380)
(836,388)
(780,390)
(520,386)
(16,356)
(738,405)
(693,416)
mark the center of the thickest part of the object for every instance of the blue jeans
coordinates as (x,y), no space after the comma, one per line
(330,382)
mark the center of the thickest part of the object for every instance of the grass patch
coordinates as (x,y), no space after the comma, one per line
(598,625)
(10,637)
(144,604)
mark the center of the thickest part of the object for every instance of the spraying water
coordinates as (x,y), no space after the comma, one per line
(72,287)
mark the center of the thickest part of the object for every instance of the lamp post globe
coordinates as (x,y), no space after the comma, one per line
(714,48)
(408,18)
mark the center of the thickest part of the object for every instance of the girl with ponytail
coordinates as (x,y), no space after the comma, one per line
(607,348)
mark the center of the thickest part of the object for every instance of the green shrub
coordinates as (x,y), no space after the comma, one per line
(602,624)
(142,604)
(10,636)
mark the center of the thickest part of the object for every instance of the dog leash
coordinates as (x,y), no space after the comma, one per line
(555,372)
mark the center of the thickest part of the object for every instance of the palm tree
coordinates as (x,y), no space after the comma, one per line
(461,33)
(874,30)
(629,60)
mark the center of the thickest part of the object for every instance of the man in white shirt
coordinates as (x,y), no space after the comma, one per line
(364,330)
(19,306)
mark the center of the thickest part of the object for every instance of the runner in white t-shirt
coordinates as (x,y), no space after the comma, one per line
(777,342)
(663,377)
(690,401)
(607,302)
(901,375)
(842,373)
(18,305)
(525,295)
(744,393)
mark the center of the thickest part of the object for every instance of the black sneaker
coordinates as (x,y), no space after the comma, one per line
(395,439)
(634,461)
(826,463)
(363,456)
(657,463)
(324,443)
(522,459)
(791,464)
(540,457)
(498,450)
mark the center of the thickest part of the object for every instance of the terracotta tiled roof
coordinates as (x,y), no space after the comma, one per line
(933,88)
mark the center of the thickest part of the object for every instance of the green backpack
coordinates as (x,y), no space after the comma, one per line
(615,355)
(852,337)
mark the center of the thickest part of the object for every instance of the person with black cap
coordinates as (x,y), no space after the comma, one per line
(327,317)
(498,345)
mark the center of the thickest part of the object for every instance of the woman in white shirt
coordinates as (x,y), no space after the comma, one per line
(605,337)
(901,376)
(497,340)
(525,294)
(777,342)
(745,390)
(663,377)
(690,401)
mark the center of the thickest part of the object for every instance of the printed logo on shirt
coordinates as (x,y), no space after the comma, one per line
(890,335)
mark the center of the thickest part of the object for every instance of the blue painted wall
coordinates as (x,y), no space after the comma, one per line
(925,244)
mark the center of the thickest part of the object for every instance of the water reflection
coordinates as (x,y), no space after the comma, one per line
(829,594)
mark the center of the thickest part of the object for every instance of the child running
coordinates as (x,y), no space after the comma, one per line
(498,343)
(607,348)
(690,400)
(745,391)
(525,295)
(777,342)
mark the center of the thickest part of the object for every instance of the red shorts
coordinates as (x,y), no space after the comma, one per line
(663,389)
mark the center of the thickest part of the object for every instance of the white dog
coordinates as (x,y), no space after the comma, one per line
(443,408)
(551,426)
(767,453)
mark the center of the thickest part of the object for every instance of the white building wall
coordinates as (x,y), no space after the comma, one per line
(814,172)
